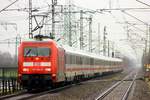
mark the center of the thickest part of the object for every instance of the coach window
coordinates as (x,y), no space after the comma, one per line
(98,62)
(115,63)
(94,62)
(67,59)
(77,59)
(104,62)
(70,59)
(110,63)
(91,61)
(81,60)
(85,60)
(73,59)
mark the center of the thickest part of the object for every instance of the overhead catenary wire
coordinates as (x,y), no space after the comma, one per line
(135,17)
(143,3)
(94,11)
(8,6)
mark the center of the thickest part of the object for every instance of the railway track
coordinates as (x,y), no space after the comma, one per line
(120,90)
(13,95)
(25,95)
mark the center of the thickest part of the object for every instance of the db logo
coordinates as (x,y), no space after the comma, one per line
(36,64)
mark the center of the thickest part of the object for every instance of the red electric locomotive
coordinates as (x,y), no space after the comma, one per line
(43,63)
(39,62)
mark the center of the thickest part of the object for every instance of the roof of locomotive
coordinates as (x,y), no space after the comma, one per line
(75,51)
(38,41)
(34,40)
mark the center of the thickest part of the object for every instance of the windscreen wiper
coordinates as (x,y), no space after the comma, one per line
(28,52)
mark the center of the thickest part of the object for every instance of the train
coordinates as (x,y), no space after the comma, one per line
(45,63)
(146,66)
(146,69)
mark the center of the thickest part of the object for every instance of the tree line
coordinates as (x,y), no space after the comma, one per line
(8,60)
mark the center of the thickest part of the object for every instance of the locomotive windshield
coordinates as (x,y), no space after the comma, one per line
(36,51)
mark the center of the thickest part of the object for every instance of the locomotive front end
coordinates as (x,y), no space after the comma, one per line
(35,64)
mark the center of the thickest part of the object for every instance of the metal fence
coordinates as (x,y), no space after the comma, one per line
(8,80)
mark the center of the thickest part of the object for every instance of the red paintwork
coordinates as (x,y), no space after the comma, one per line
(52,59)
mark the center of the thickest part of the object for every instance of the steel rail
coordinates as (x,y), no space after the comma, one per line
(129,89)
(13,95)
(26,95)
(109,90)
(105,93)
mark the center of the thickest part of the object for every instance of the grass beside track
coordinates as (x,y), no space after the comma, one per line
(6,73)
(8,80)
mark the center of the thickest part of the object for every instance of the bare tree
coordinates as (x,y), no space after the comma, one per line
(6,60)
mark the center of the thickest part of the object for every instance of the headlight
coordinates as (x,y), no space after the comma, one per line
(147,69)
(47,69)
(25,69)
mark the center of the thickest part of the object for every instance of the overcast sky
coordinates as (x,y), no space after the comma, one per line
(116,32)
